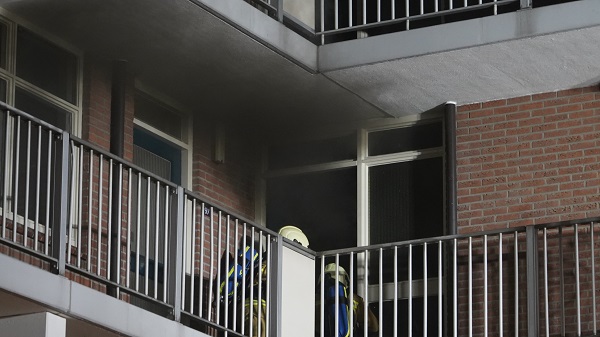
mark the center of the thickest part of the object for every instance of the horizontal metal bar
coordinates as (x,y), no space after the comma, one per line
(520,229)
(193,195)
(210,323)
(89,146)
(30,251)
(4,106)
(417,242)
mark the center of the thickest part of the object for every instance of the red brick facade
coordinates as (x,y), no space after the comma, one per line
(529,160)
(230,184)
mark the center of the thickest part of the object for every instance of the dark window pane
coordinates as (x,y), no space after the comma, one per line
(405,139)
(42,109)
(322,204)
(406,200)
(156,155)
(405,203)
(46,65)
(315,152)
(2,90)
(159,116)
(3,40)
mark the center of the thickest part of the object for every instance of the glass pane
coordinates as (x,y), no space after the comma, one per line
(46,65)
(405,203)
(3,42)
(3,90)
(322,204)
(405,139)
(159,116)
(156,155)
(315,152)
(42,109)
(406,200)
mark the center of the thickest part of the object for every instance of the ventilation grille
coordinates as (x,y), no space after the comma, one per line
(152,162)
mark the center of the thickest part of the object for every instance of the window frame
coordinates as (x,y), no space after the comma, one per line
(13,82)
(185,144)
(363,163)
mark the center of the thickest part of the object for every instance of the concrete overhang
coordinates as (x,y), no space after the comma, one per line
(227,60)
(509,55)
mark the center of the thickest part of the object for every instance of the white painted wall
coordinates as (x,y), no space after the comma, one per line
(297,294)
(42,324)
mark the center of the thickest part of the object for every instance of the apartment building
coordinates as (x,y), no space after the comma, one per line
(444,152)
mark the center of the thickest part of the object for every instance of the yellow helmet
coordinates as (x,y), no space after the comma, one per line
(294,233)
(343,276)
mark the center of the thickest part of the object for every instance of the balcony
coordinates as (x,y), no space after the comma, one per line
(93,227)
(393,74)
(330,21)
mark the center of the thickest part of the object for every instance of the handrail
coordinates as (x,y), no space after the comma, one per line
(416,242)
(153,229)
(6,107)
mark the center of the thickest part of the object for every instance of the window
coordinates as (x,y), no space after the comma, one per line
(39,76)
(395,176)
(160,147)
(160,139)
(42,78)
(323,204)
(389,188)
(56,74)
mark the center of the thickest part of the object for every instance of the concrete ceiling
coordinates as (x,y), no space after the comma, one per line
(213,69)
(478,74)
(197,60)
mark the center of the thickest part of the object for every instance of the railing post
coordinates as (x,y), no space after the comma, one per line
(533,307)
(279,6)
(451,202)
(275,291)
(175,258)
(525,4)
(320,19)
(61,204)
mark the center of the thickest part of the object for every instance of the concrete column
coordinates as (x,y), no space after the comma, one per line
(43,324)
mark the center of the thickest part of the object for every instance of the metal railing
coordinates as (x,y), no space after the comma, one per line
(334,19)
(109,224)
(529,281)
(102,221)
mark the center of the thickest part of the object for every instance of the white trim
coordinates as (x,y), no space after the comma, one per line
(364,162)
(404,156)
(161,134)
(312,168)
(399,123)
(13,21)
(187,126)
(362,193)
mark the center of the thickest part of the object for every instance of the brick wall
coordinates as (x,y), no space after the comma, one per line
(230,184)
(529,160)
(97,105)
